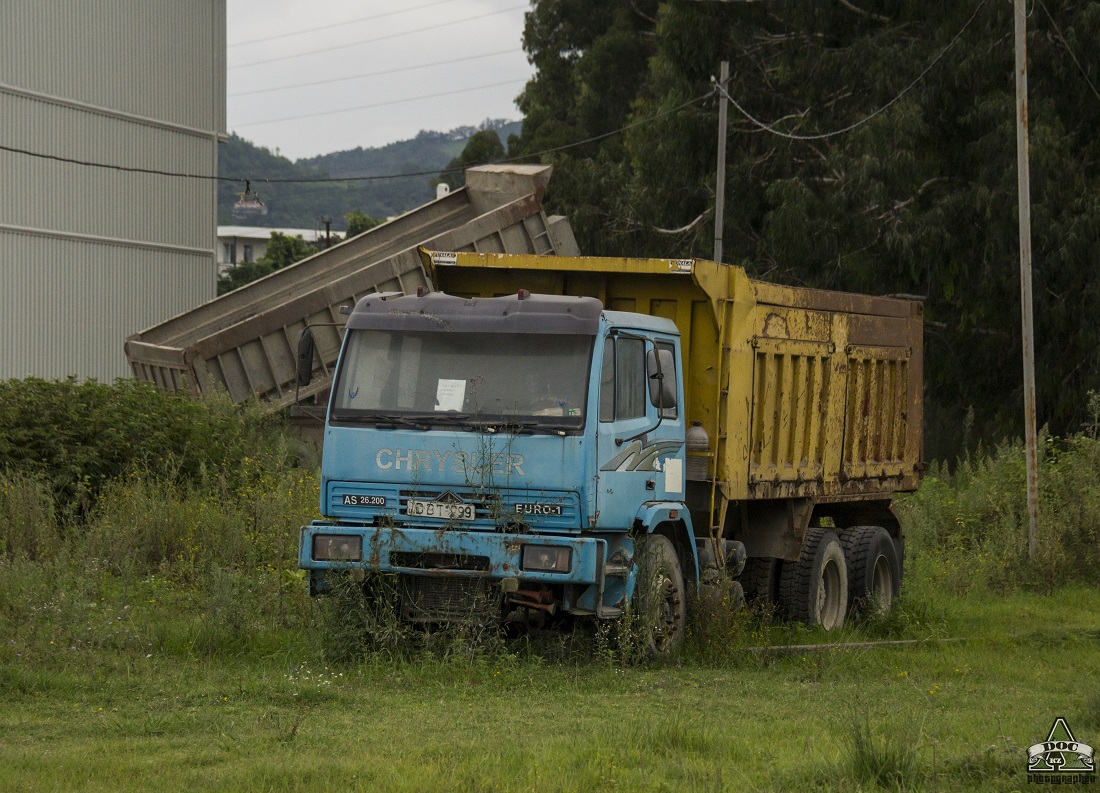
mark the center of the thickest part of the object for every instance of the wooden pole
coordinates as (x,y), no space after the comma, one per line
(1024,190)
(720,182)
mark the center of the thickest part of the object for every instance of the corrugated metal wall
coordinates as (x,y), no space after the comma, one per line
(88,255)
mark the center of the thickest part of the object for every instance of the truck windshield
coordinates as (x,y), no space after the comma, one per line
(523,379)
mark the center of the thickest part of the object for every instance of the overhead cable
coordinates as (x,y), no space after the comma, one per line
(333,47)
(380,104)
(345,23)
(333,80)
(1065,44)
(335,179)
(794,136)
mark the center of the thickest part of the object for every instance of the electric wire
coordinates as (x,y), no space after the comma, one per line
(528,156)
(345,23)
(1065,44)
(334,47)
(450,92)
(336,179)
(334,80)
(820,136)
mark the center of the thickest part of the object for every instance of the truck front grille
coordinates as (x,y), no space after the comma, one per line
(439,561)
(450,599)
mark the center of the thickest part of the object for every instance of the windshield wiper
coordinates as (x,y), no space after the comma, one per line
(382,418)
(499,426)
(445,418)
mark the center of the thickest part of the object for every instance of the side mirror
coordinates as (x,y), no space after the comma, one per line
(305,357)
(661,372)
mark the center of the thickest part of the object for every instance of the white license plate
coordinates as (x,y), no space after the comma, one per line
(440,509)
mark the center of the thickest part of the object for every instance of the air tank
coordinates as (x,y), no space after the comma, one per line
(698,444)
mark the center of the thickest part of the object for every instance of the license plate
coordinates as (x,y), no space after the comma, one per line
(447,510)
(364,501)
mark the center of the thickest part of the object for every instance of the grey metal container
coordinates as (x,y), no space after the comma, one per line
(246,341)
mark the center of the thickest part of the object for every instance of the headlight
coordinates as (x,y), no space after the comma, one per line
(337,548)
(546,558)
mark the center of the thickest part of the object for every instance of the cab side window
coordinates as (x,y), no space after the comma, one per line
(670,377)
(623,379)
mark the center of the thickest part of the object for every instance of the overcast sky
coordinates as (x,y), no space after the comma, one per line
(308,78)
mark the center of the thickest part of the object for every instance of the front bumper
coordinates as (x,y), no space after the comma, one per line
(438,552)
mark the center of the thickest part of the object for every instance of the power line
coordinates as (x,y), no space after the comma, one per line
(334,47)
(1065,44)
(338,24)
(377,177)
(631,125)
(333,80)
(379,104)
(793,136)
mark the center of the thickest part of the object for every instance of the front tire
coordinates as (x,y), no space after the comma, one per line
(660,600)
(815,589)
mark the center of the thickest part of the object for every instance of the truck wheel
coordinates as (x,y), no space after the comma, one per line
(659,596)
(815,590)
(760,578)
(874,571)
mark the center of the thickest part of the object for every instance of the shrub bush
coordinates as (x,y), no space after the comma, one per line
(78,436)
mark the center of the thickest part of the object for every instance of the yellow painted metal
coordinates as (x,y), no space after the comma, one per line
(803,393)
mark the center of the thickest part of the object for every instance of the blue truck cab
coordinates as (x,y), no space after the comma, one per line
(521,452)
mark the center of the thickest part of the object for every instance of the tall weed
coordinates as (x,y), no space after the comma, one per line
(28,524)
(968,528)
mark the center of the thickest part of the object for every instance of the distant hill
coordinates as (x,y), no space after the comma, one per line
(298,205)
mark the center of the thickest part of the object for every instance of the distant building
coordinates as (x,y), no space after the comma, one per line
(241,244)
(95,97)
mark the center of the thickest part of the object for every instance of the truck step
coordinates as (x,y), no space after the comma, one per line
(615,569)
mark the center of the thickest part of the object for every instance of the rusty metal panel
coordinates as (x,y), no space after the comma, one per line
(792,385)
(876,421)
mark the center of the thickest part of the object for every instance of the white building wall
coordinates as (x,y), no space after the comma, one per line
(90,255)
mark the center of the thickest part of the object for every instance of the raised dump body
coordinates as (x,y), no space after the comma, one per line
(811,400)
(246,341)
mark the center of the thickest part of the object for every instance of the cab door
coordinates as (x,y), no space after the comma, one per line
(635,441)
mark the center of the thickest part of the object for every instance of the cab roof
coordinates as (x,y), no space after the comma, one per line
(520,313)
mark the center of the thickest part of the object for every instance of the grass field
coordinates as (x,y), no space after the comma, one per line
(940,715)
(155,633)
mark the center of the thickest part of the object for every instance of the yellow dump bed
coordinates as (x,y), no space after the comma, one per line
(804,393)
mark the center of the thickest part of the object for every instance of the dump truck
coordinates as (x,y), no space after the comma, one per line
(588,436)
(245,342)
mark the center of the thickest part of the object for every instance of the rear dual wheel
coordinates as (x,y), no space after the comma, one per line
(814,590)
(874,570)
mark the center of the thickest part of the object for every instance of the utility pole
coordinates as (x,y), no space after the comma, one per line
(1024,189)
(720,182)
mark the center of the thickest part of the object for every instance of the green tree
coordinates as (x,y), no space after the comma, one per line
(358,222)
(917,199)
(483,147)
(282,250)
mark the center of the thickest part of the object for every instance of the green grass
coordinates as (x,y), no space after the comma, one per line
(271,716)
(158,635)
